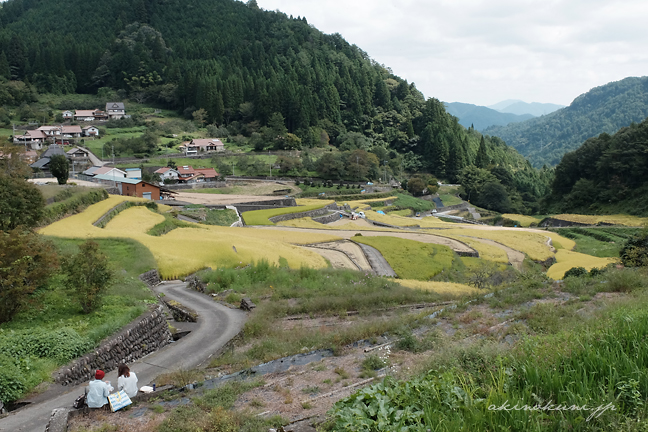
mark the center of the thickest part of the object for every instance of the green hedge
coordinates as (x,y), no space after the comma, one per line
(76,204)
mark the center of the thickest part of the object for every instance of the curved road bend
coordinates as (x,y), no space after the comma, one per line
(217,324)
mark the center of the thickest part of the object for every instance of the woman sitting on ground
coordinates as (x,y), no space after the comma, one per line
(127,380)
(98,391)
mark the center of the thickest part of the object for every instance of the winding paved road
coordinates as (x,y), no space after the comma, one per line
(216,325)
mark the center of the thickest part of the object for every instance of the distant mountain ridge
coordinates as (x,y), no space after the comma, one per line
(607,108)
(518,107)
(481,117)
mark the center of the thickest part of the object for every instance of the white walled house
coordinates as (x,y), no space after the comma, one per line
(167,173)
(90,131)
(133,173)
(68,115)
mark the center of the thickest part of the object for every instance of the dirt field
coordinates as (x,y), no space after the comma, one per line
(219,199)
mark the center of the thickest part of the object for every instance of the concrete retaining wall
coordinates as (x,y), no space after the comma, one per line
(148,333)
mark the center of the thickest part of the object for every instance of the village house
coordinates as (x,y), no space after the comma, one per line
(43,162)
(188,174)
(34,139)
(83,154)
(167,173)
(134,173)
(90,131)
(115,110)
(195,146)
(84,115)
(67,115)
(110,172)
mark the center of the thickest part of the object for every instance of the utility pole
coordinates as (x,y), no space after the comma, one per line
(358,166)
(385,164)
(113,166)
(232,168)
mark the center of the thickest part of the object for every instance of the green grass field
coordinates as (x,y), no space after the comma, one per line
(411,259)
(450,200)
(261,217)
(54,315)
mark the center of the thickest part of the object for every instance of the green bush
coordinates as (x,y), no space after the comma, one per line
(56,211)
(374,362)
(575,272)
(61,345)
(12,383)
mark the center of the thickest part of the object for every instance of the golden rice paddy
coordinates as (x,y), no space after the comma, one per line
(531,243)
(439,287)
(627,220)
(525,221)
(186,250)
(568,259)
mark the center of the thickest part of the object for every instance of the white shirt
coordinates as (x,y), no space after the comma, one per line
(128,384)
(98,392)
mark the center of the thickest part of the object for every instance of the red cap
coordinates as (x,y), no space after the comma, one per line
(99,374)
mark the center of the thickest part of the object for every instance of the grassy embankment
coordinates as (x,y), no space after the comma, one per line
(577,353)
(279,292)
(54,330)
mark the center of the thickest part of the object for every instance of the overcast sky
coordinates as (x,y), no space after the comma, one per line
(486,51)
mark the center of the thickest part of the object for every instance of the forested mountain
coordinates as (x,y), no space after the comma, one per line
(603,109)
(481,117)
(518,107)
(261,74)
(607,174)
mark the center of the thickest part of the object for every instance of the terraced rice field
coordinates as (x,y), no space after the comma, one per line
(262,217)
(627,220)
(186,250)
(568,259)
(531,243)
(439,287)
(525,221)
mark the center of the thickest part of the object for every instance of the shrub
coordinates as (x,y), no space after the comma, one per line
(634,252)
(374,362)
(624,280)
(12,384)
(575,272)
(61,345)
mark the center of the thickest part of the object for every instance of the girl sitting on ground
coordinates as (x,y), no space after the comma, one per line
(127,380)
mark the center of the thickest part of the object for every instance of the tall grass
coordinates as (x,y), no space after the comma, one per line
(603,362)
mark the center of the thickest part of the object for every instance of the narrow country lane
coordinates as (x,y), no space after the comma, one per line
(217,324)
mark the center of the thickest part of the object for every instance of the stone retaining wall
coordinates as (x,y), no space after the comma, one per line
(151,278)
(180,312)
(462,206)
(327,218)
(148,333)
(202,185)
(559,223)
(309,213)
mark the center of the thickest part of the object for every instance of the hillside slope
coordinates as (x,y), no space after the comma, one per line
(607,174)
(603,109)
(481,117)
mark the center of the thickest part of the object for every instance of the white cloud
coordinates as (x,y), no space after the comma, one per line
(484,51)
